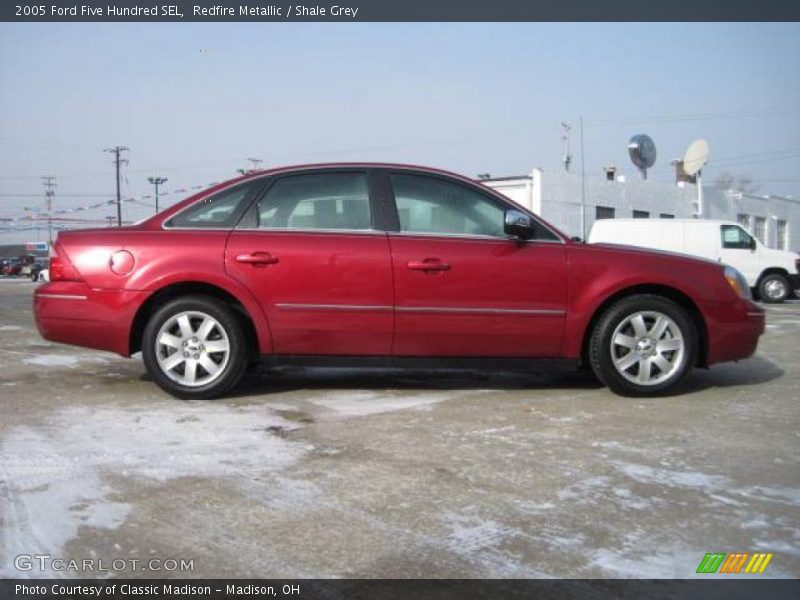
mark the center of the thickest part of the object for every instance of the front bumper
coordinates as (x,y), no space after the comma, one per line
(733,329)
(73,313)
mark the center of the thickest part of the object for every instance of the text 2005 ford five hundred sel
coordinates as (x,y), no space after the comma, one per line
(378,264)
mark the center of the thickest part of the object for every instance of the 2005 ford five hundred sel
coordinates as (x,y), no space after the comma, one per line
(384,265)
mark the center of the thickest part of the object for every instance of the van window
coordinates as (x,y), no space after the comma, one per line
(735,237)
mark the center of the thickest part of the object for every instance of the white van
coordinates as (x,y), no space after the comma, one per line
(772,274)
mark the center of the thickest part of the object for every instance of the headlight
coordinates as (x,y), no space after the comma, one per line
(737,281)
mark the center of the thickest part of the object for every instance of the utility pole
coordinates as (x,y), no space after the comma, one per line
(48,181)
(157,181)
(254,162)
(116,151)
(567,158)
(583,189)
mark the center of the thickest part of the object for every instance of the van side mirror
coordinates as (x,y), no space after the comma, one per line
(519,225)
(752,243)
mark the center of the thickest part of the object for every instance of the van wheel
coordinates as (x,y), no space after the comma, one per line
(643,345)
(194,348)
(773,288)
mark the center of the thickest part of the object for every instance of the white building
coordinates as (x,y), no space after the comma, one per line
(774,220)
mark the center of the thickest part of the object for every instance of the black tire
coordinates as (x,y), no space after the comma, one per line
(680,331)
(773,288)
(228,325)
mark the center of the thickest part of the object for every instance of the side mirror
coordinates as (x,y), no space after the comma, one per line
(519,225)
(752,243)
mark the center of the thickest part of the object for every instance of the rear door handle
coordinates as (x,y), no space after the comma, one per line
(428,264)
(257,258)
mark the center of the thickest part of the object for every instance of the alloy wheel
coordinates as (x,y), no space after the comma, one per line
(192,348)
(647,348)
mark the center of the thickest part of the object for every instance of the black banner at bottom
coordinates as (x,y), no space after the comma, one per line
(397,589)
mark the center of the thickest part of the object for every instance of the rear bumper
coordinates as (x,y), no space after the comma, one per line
(733,329)
(73,313)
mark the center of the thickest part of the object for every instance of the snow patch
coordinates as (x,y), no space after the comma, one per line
(52,360)
(352,403)
(57,477)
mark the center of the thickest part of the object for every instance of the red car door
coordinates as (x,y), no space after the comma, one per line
(462,288)
(310,255)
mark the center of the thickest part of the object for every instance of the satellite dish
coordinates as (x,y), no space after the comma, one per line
(643,152)
(696,157)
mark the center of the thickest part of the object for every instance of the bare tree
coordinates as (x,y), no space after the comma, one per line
(737,183)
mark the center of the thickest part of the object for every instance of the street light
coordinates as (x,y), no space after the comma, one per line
(157,181)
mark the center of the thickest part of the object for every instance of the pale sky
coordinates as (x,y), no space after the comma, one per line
(194,101)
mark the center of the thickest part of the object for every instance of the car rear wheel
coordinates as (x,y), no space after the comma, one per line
(194,348)
(643,345)
(773,288)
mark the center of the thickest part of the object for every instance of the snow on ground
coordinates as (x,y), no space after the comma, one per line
(52,360)
(57,477)
(354,403)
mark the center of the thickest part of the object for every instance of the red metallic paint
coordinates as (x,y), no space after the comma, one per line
(344,271)
(481,274)
(372,270)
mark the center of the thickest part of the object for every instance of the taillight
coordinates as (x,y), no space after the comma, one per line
(797,264)
(61,269)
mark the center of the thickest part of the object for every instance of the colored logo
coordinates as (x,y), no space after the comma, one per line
(734,562)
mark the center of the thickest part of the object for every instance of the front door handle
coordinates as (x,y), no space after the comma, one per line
(428,264)
(257,258)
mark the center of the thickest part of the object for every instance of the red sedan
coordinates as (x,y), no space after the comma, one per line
(377,264)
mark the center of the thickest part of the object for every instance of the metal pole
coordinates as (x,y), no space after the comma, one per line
(700,193)
(156,181)
(583,189)
(116,150)
(119,199)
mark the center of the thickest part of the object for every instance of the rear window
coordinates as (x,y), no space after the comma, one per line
(220,210)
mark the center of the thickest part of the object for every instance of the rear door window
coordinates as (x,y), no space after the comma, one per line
(321,201)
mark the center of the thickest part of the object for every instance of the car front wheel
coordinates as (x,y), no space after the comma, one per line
(194,348)
(773,289)
(643,345)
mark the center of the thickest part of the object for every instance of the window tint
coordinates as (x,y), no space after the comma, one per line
(603,212)
(219,210)
(432,205)
(734,236)
(318,201)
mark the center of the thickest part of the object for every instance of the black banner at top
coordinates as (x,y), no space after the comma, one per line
(397,10)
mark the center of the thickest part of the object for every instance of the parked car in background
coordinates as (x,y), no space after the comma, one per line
(772,275)
(376,264)
(12,267)
(28,263)
(39,266)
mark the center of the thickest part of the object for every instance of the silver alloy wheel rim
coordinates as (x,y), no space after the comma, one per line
(775,289)
(192,348)
(647,348)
